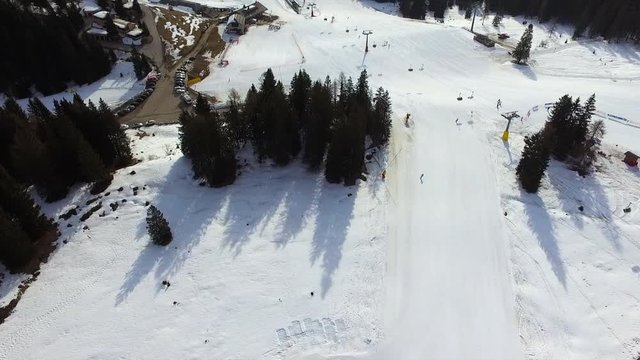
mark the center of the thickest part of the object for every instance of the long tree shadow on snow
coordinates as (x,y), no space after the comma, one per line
(526,70)
(334,213)
(253,202)
(541,225)
(574,191)
(189,209)
(299,201)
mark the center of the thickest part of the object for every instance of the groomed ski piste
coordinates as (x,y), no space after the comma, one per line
(463,265)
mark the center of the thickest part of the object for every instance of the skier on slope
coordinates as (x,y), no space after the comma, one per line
(499,104)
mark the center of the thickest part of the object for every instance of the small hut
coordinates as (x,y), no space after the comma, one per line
(631,159)
(235,24)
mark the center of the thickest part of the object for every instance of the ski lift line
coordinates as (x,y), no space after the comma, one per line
(600,114)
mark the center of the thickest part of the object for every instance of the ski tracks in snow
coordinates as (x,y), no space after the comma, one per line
(18,340)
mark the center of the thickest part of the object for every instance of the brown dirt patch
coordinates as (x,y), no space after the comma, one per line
(214,45)
(179,31)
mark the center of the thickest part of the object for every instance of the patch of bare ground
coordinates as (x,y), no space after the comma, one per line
(179,32)
(214,45)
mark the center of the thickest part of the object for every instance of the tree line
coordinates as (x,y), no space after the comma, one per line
(43,47)
(612,19)
(53,150)
(22,225)
(324,122)
(569,136)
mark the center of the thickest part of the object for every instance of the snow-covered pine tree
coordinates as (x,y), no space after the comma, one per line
(158,227)
(522,52)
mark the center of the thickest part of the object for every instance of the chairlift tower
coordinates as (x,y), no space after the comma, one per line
(312,5)
(367,33)
(509,116)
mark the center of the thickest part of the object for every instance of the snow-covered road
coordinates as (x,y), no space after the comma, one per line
(451,285)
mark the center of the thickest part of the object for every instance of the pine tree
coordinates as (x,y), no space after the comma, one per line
(137,10)
(37,108)
(299,98)
(253,121)
(570,122)
(589,148)
(210,147)
(33,163)
(158,227)
(202,105)
(141,65)
(380,128)
(316,134)
(118,141)
(284,138)
(118,7)
(235,120)
(112,29)
(497,20)
(299,95)
(16,250)
(345,156)
(534,161)
(17,202)
(523,49)
(104,4)
(12,107)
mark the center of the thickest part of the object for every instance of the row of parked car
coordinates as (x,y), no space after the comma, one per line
(180,88)
(150,86)
(138,125)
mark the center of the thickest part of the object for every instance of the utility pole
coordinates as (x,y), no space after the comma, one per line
(476,5)
(312,5)
(474,18)
(367,33)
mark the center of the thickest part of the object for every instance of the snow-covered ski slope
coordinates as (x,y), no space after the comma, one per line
(461,266)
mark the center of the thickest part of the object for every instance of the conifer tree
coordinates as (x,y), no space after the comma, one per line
(345,156)
(299,95)
(497,20)
(202,105)
(118,7)
(112,29)
(590,147)
(158,227)
(256,128)
(17,202)
(380,124)
(210,148)
(16,249)
(317,132)
(523,49)
(235,120)
(104,4)
(534,161)
(137,10)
